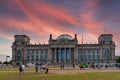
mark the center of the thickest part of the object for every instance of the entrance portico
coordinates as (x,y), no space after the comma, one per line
(62,55)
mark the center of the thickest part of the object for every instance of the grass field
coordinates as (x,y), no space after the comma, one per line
(57,74)
(54,76)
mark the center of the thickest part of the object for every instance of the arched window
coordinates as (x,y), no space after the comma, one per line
(19,52)
(106,51)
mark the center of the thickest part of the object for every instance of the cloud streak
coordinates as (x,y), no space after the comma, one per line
(39,18)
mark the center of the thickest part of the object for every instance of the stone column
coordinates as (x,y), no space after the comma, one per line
(75,54)
(55,53)
(34,57)
(64,54)
(49,55)
(60,55)
(70,55)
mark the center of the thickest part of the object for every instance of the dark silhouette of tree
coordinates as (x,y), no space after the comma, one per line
(0,62)
(118,60)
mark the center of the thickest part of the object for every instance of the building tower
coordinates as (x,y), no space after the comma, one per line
(107,47)
(18,49)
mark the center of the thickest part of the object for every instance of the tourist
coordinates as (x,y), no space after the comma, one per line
(36,67)
(20,69)
(45,68)
(73,66)
(23,68)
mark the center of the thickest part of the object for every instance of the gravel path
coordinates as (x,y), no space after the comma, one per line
(75,71)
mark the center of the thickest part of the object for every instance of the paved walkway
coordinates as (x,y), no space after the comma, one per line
(75,71)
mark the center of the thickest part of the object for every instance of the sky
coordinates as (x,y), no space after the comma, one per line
(40,18)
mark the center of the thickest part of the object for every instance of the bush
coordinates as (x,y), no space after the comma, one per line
(0,62)
(6,62)
(84,65)
(118,60)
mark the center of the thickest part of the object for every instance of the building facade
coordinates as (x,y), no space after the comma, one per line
(64,49)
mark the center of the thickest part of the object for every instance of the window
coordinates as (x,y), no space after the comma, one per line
(28,58)
(19,51)
(79,58)
(46,57)
(97,51)
(89,57)
(36,51)
(32,57)
(39,51)
(32,51)
(19,58)
(97,57)
(79,51)
(37,58)
(106,51)
(46,51)
(93,51)
(84,57)
(88,50)
(106,57)
(84,51)
(43,51)
(41,57)
(27,51)
(93,57)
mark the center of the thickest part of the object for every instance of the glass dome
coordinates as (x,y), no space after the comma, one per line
(65,36)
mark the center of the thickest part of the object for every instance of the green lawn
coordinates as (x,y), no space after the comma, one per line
(53,76)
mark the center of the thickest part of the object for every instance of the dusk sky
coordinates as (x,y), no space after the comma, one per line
(39,18)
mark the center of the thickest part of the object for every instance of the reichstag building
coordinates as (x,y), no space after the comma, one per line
(64,49)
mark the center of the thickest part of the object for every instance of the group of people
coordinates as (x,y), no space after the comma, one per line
(42,68)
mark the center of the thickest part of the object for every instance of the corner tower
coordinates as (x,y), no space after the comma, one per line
(107,47)
(18,49)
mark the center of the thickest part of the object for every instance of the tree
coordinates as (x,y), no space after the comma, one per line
(6,62)
(0,62)
(118,60)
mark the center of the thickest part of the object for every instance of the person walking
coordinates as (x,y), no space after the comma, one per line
(36,67)
(20,69)
(45,68)
(23,68)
